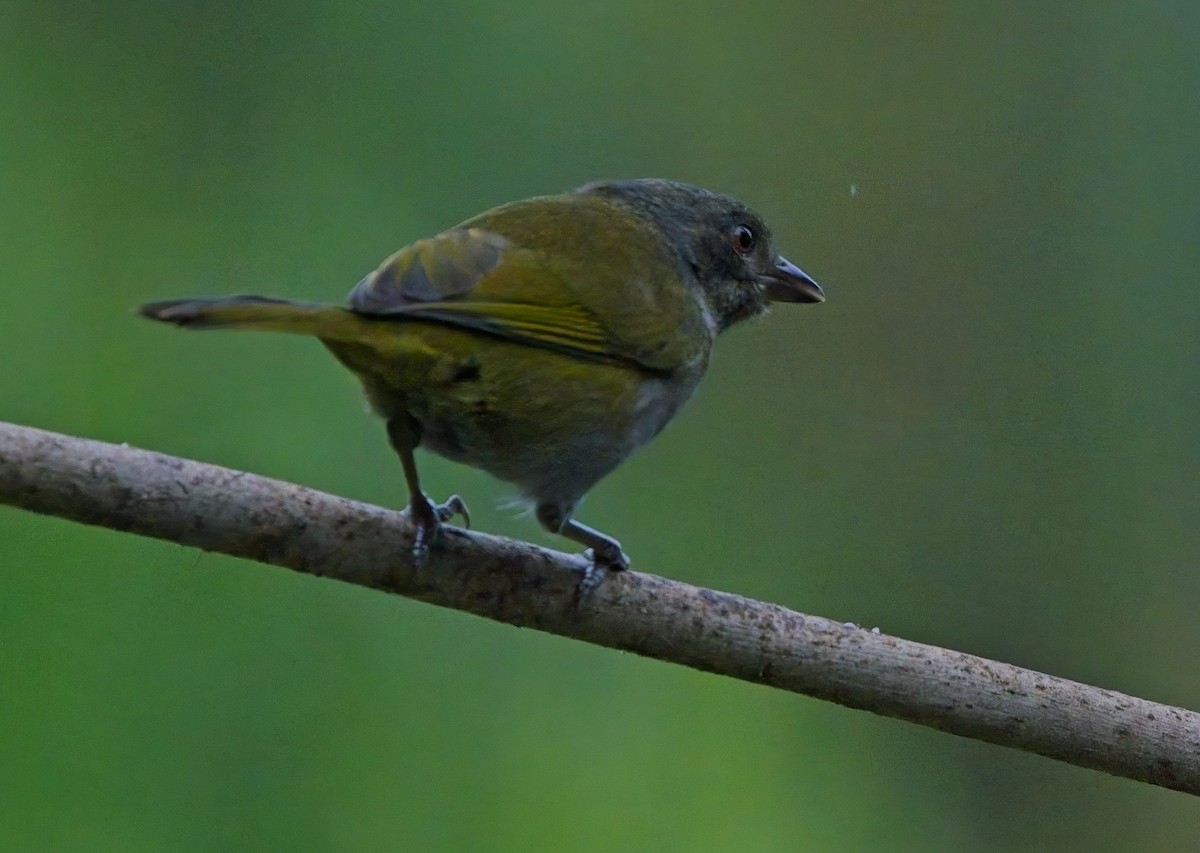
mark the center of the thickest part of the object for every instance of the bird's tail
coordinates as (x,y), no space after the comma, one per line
(263,313)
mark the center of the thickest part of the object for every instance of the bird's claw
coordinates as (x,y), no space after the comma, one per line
(428,518)
(593,576)
(453,506)
(601,561)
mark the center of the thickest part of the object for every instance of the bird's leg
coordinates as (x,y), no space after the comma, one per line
(606,551)
(404,433)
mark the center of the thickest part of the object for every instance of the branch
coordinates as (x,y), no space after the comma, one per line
(245,515)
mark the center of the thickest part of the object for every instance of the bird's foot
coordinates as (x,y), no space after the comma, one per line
(604,558)
(451,507)
(428,518)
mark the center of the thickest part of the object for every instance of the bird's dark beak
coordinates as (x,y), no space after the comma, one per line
(786,282)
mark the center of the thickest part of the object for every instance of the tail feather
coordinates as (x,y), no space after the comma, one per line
(258,312)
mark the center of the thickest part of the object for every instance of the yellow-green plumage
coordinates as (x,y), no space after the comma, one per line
(544,340)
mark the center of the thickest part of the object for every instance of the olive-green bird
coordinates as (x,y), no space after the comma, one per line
(542,341)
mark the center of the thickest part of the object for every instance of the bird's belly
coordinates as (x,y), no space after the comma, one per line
(553,432)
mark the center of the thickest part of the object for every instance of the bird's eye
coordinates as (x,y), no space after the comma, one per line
(742,239)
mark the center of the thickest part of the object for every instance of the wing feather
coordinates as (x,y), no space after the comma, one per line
(571,273)
(470,278)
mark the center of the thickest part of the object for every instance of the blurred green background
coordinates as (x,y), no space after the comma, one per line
(986,438)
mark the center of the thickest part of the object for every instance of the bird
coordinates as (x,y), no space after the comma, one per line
(543,340)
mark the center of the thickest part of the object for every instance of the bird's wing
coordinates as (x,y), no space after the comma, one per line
(495,282)
(478,280)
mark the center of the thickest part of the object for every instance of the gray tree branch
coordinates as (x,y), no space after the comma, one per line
(236,513)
